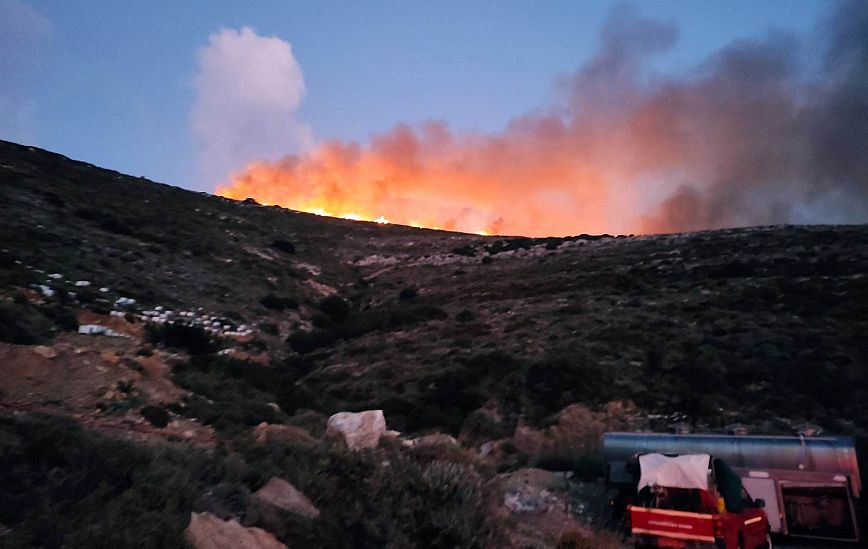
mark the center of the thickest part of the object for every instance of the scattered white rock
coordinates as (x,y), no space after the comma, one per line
(45,290)
(55,276)
(96,329)
(357,430)
(82,283)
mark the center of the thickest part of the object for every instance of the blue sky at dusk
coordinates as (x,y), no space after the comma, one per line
(112,82)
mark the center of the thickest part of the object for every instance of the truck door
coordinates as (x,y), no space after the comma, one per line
(765,489)
(754,523)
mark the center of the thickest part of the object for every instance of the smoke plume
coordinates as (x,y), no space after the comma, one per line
(247,90)
(750,136)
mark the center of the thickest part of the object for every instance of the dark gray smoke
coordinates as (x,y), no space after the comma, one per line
(763,140)
(762,132)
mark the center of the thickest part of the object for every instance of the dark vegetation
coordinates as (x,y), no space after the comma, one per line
(761,326)
(284,246)
(26,324)
(279,304)
(63,486)
(156,416)
(191,339)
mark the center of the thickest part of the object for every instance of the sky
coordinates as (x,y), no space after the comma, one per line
(189,93)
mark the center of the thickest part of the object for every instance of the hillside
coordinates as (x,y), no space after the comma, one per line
(233,313)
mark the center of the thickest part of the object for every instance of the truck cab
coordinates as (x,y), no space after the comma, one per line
(694,500)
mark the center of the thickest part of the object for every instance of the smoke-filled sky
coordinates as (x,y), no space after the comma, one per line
(508,118)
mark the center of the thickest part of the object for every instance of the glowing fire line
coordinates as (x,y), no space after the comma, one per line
(351,216)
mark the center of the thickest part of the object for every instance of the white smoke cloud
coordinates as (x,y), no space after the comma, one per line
(248,88)
(24,34)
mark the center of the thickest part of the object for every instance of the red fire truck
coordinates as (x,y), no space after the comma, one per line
(694,500)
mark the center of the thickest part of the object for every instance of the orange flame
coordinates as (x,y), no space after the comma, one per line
(431,178)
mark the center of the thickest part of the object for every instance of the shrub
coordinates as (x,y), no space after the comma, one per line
(279,304)
(22,324)
(408,293)
(335,307)
(63,486)
(465,316)
(379,499)
(468,251)
(284,246)
(322,321)
(193,339)
(269,328)
(62,317)
(303,342)
(156,416)
(223,397)
(389,318)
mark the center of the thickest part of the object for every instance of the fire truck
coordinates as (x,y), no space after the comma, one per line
(695,500)
(810,486)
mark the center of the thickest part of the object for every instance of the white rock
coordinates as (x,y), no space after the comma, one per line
(91,329)
(357,430)
(82,283)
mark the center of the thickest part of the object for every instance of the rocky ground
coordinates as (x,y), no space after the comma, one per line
(166,317)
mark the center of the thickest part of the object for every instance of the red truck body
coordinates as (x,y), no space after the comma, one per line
(747,529)
(692,500)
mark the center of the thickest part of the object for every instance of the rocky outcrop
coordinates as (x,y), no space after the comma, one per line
(280,496)
(437,439)
(265,433)
(209,532)
(357,430)
(278,505)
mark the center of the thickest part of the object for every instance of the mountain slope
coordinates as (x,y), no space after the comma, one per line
(750,320)
(232,313)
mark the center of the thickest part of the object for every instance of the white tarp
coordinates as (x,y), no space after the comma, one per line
(687,471)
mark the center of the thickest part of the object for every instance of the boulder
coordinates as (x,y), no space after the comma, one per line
(437,439)
(265,433)
(357,430)
(279,496)
(45,352)
(209,532)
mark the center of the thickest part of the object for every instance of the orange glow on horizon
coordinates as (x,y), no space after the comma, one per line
(430,178)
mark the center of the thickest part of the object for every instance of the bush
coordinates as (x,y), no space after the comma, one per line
(63,486)
(193,339)
(306,342)
(223,397)
(156,416)
(335,307)
(284,246)
(408,293)
(279,304)
(22,324)
(468,251)
(379,499)
(465,316)
(389,318)
(270,328)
